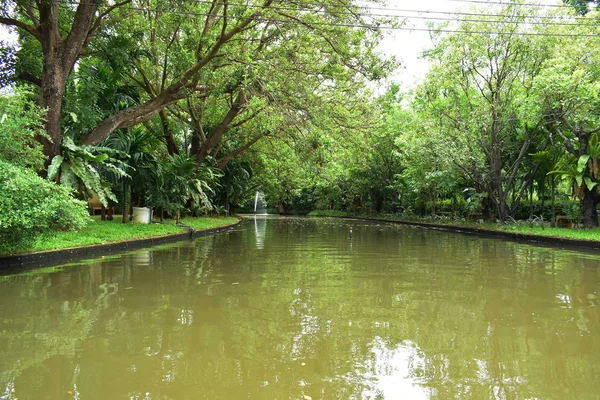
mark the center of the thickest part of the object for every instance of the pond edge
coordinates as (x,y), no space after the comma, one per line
(580,244)
(46,258)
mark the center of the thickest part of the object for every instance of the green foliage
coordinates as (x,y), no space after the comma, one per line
(21,120)
(80,168)
(30,205)
(177,181)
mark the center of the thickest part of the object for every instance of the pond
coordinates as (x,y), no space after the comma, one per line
(297,308)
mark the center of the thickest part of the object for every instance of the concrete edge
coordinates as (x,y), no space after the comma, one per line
(579,244)
(17,262)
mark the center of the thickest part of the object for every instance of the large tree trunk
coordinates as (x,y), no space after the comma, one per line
(59,58)
(52,89)
(590,215)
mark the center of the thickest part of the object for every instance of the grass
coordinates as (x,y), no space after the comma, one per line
(521,227)
(207,223)
(328,213)
(101,232)
(570,233)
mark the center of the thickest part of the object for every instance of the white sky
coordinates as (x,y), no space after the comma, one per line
(407,45)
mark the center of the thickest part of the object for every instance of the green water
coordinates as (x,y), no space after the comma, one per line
(296,309)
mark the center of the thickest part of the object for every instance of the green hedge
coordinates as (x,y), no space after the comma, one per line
(30,205)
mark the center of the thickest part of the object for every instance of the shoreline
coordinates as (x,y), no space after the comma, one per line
(580,244)
(17,262)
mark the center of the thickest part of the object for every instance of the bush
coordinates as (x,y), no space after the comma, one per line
(30,206)
(21,120)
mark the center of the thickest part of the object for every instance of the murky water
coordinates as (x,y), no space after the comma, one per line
(296,309)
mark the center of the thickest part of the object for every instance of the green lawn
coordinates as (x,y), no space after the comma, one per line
(520,227)
(571,233)
(100,232)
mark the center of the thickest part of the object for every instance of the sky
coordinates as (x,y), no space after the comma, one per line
(407,45)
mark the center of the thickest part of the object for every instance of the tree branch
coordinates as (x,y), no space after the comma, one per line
(21,25)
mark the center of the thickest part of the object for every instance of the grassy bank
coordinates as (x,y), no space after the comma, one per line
(101,232)
(520,227)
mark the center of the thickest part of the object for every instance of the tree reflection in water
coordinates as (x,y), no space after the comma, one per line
(403,313)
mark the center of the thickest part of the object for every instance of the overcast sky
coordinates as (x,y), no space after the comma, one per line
(407,45)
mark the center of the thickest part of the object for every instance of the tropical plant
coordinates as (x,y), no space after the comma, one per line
(177,181)
(80,168)
(137,149)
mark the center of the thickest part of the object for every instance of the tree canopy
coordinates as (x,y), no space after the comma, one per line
(212,101)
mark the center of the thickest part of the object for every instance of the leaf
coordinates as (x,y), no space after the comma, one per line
(589,183)
(68,178)
(54,167)
(73,116)
(69,144)
(579,180)
(582,162)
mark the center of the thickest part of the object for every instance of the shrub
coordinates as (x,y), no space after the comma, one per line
(21,120)
(30,205)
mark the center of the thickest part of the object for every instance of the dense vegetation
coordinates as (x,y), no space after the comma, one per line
(191,107)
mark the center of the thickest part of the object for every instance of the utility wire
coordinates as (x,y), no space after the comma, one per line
(504,3)
(368,8)
(374,26)
(552,20)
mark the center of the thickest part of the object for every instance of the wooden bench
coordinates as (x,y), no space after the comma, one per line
(94,204)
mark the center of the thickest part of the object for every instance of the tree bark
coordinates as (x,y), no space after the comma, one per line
(589,202)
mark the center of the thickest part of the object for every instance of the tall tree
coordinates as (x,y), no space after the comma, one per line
(478,84)
(62,44)
(182,52)
(567,91)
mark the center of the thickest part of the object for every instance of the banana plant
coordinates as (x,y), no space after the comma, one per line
(575,170)
(80,168)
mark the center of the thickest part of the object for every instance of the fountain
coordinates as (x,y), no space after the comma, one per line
(259,204)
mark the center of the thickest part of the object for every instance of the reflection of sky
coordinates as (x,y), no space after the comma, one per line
(396,371)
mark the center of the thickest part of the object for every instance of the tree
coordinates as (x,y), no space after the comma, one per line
(61,48)
(568,91)
(582,6)
(478,84)
(190,54)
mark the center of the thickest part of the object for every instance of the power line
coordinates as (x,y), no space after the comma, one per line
(398,10)
(503,3)
(368,8)
(552,20)
(374,26)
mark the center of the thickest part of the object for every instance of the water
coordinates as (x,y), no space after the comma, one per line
(288,308)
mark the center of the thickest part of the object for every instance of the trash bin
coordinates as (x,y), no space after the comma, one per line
(142,215)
